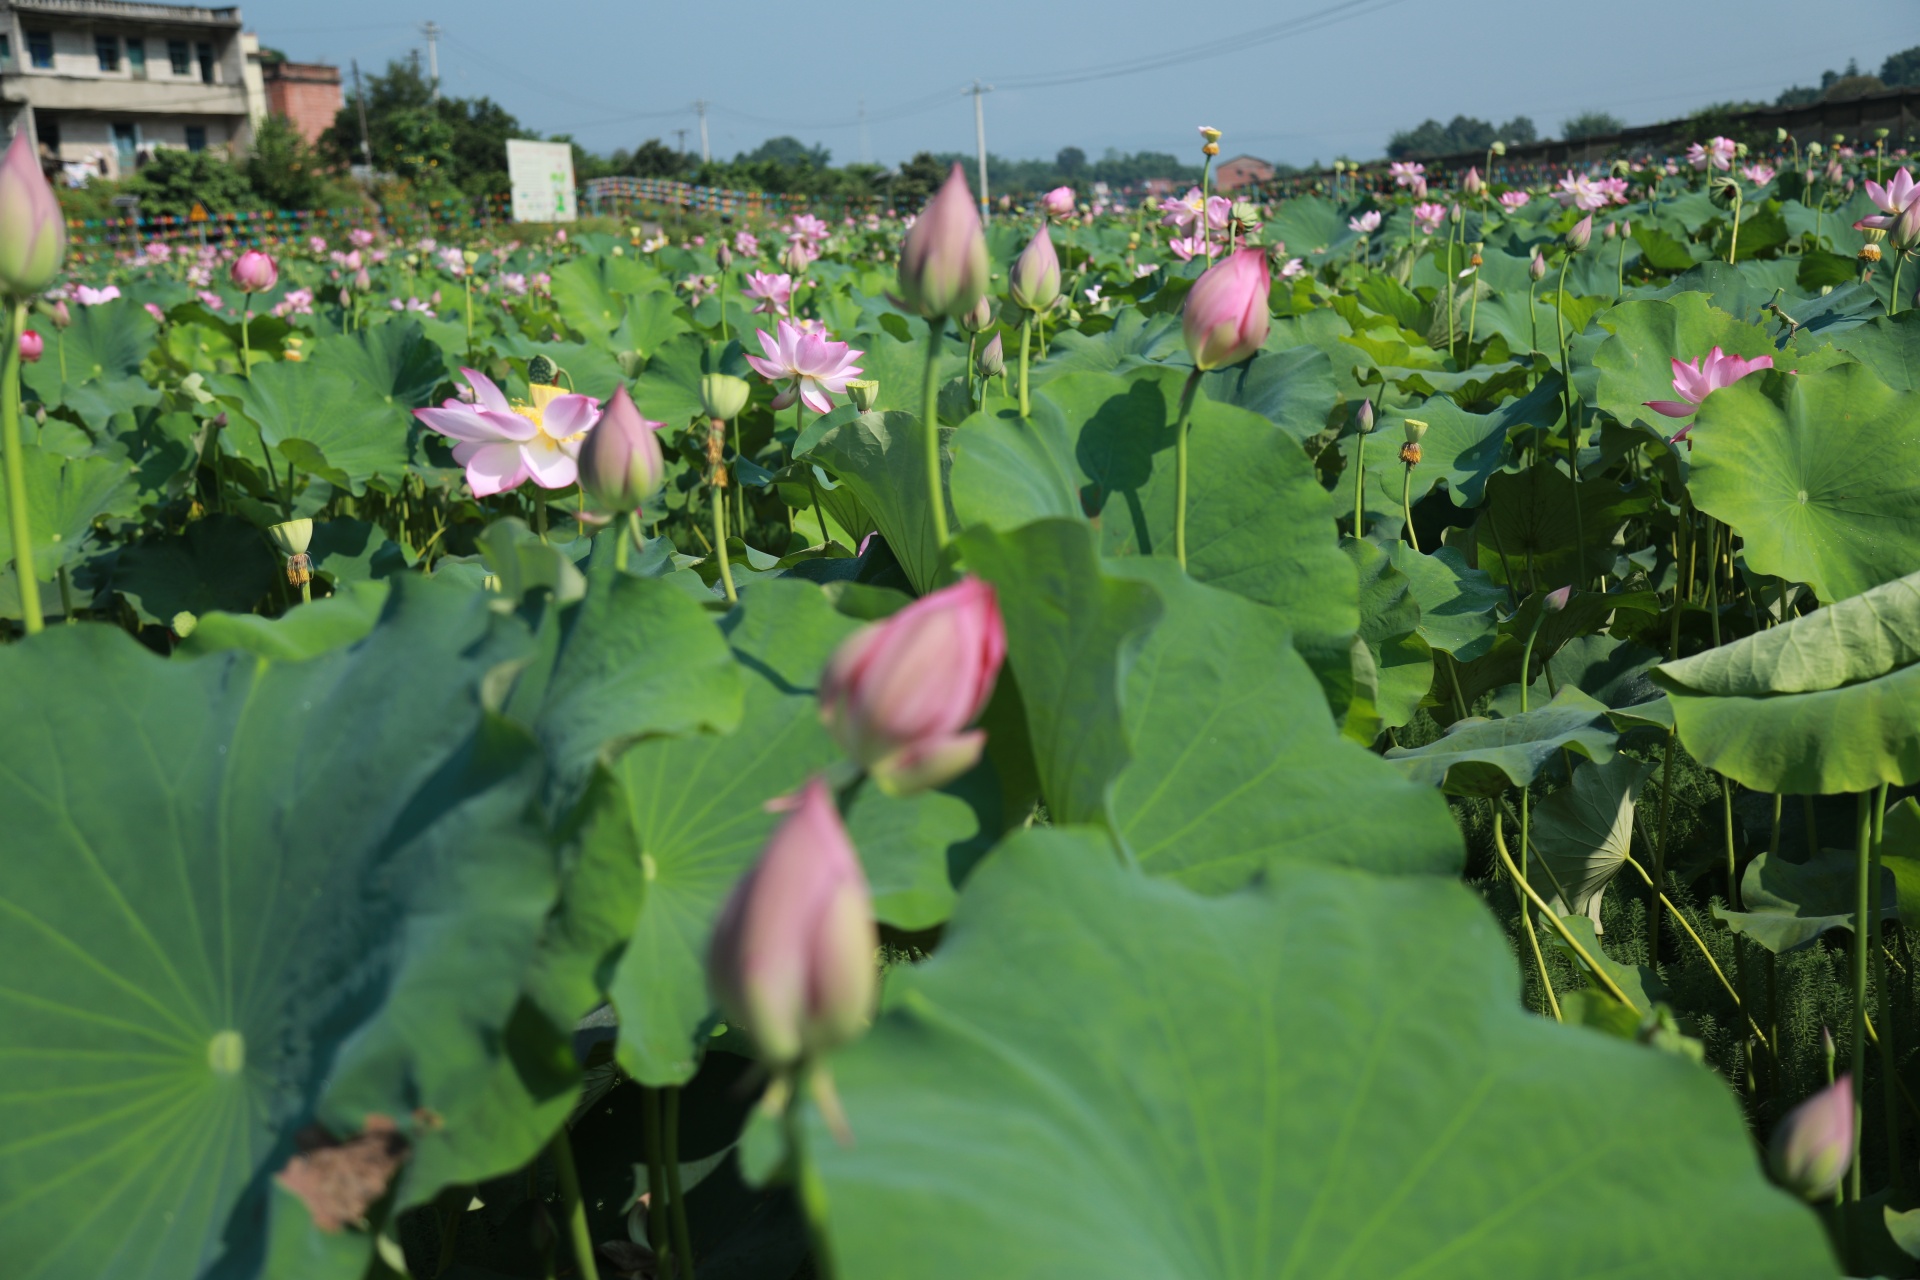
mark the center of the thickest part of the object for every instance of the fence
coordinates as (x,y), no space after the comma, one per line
(263,227)
(620,195)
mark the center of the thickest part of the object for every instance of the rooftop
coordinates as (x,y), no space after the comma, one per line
(129,11)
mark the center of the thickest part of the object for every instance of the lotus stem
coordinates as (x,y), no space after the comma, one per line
(624,531)
(1521,893)
(682,1238)
(1360,487)
(21,524)
(930,426)
(809,1190)
(658,1233)
(1888,1053)
(571,1206)
(1406,505)
(1026,340)
(1862,940)
(1180,432)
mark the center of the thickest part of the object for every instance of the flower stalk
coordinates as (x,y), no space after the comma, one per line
(19,518)
(1182,428)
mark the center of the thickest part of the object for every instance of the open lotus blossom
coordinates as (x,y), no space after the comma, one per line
(1427,217)
(1183,211)
(809,228)
(746,244)
(1693,380)
(1892,200)
(1615,189)
(774,292)
(502,444)
(811,365)
(1717,152)
(1365,223)
(1578,191)
(1511,200)
(1290,268)
(88,296)
(1219,212)
(1758,174)
(1187,248)
(1406,173)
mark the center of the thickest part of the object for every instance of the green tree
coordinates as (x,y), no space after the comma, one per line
(442,147)
(174,180)
(1070,162)
(1591,124)
(283,170)
(1902,68)
(654,159)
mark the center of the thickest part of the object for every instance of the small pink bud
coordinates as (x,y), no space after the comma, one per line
(60,316)
(1472,184)
(254,272)
(1034,282)
(1557,600)
(793,953)
(33,232)
(152,310)
(1226,318)
(1536,266)
(621,465)
(1812,1148)
(980,319)
(31,345)
(898,694)
(1058,203)
(1581,234)
(943,264)
(992,360)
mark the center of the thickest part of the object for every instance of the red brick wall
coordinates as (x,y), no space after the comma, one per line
(306,93)
(1239,172)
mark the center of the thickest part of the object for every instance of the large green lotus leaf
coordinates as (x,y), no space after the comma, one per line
(1584,833)
(1636,363)
(307,632)
(1236,762)
(1826,703)
(590,368)
(1136,339)
(1890,346)
(1478,757)
(1390,625)
(669,389)
(1269,1084)
(696,807)
(1292,388)
(1311,228)
(900,367)
(1819,474)
(330,424)
(1458,605)
(1463,450)
(1537,520)
(232,910)
(882,458)
(652,320)
(592,291)
(1073,630)
(221,562)
(394,361)
(1009,470)
(93,366)
(1789,904)
(64,497)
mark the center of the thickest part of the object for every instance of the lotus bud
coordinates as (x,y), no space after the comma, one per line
(723,255)
(31,345)
(991,362)
(1812,1148)
(620,464)
(1580,235)
(1058,203)
(723,396)
(1034,282)
(33,232)
(794,952)
(62,317)
(1537,266)
(1904,235)
(943,264)
(898,694)
(862,393)
(1556,601)
(980,319)
(1472,184)
(254,272)
(1609,231)
(1363,418)
(1226,318)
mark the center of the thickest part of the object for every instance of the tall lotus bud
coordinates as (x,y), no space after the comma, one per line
(794,952)
(943,264)
(254,272)
(1226,318)
(1537,266)
(1904,235)
(1609,231)
(723,255)
(1580,235)
(1034,282)
(620,464)
(1812,1149)
(992,360)
(62,317)
(31,345)
(33,235)
(1472,184)
(1058,203)
(1363,418)
(723,396)
(980,319)
(898,694)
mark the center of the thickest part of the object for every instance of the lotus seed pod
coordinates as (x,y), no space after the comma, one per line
(1415,429)
(862,393)
(291,537)
(542,371)
(723,396)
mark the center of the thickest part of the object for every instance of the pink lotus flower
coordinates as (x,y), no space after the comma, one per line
(1892,200)
(774,293)
(1511,200)
(1718,152)
(698,286)
(1405,173)
(1417,188)
(1291,268)
(812,366)
(1473,184)
(1694,380)
(808,227)
(794,952)
(1615,189)
(1058,203)
(746,244)
(1182,212)
(1187,248)
(254,272)
(1579,191)
(1219,213)
(799,254)
(360,237)
(1428,217)
(31,345)
(316,244)
(1812,1148)
(899,694)
(1226,317)
(502,444)
(1366,223)
(1758,174)
(88,296)
(156,312)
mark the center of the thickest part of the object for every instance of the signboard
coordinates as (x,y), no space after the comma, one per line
(198,213)
(542,178)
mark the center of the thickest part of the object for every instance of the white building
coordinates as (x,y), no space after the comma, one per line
(97,82)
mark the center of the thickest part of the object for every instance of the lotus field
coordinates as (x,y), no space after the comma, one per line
(1368,735)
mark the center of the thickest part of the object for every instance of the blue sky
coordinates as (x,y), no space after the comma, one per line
(1335,76)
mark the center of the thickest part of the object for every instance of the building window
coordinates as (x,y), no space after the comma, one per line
(107,49)
(137,58)
(205,51)
(196,137)
(40,49)
(180,56)
(6,47)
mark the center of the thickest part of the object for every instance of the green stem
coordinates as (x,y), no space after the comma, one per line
(20,524)
(1888,1077)
(720,542)
(724,337)
(1360,488)
(623,530)
(1406,506)
(1899,260)
(682,1238)
(1862,940)
(1522,893)
(930,426)
(809,1190)
(246,344)
(1026,339)
(571,1206)
(1180,468)
(468,276)
(1733,245)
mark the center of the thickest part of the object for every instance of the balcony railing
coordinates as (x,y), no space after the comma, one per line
(129,10)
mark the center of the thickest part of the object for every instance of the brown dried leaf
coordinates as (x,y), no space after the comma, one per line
(340,1178)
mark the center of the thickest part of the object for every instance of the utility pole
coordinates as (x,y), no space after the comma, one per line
(866,151)
(366,139)
(681,134)
(706,152)
(431,30)
(980,139)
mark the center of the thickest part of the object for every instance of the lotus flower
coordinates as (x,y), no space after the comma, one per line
(1226,317)
(793,957)
(1058,203)
(621,465)
(502,444)
(1427,217)
(809,228)
(1579,192)
(746,244)
(1405,174)
(773,292)
(1718,152)
(1812,1148)
(1694,380)
(1183,212)
(1366,223)
(87,296)
(31,345)
(1187,248)
(1892,200)
(33,231)
(899,694)
(254,272)
(1511,200)
(812,365)
(943,264)
(1758,174)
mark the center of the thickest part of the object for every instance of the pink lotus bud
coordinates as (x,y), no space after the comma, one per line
(992,360)
(1812,1148)
(1581,234)
(59,314)
(898,694)
(620,464)
(1557,601)
(1904,235)
(154,311)
(1058,203)
(793,952)
(723,255)
(1537,265)
(254,272)
(1472,184)
(943,264)
(1226,317)
(33,234)
(1034,282)
(1363,418)
(31,345)
(363,280)
(980,319)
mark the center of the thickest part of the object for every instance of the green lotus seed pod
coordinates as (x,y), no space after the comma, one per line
(542,371)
